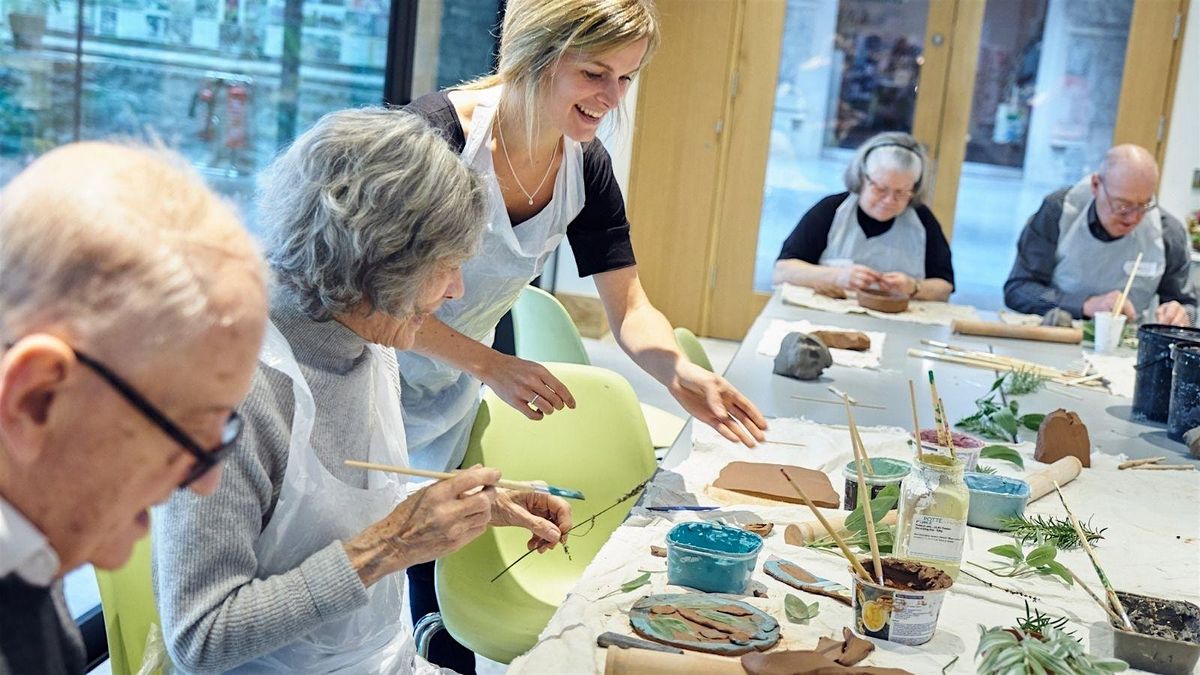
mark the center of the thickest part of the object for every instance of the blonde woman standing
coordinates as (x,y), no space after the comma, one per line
(530,130)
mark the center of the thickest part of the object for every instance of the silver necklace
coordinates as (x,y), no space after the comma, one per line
(504,147)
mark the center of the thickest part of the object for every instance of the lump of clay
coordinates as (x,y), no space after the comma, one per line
(802,356)
(843,339)
(1063,434)
(1192,439)
(1058,317)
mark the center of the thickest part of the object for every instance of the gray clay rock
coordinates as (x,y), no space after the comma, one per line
(802,356)
(1063,434)
(1192,438)
(1057,317)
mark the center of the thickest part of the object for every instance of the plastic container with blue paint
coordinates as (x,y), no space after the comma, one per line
(994,498)
(711,557)
(887,471)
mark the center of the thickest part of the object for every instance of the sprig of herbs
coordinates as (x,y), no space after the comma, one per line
(1039,561)
(999,421)
(1039,529)
(1023,381)
(1003,651)
(1035,622)
(854,528)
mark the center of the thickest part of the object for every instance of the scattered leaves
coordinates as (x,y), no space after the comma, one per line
(799,611)
(999,420)
(1040,561)
(1003,453)
(1055,530)
(636,582)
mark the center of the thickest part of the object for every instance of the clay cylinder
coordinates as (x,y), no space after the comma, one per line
(638,661)
(803,534)
(1062,472)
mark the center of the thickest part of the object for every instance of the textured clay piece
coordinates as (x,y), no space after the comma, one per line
(1063,434)
(797,577)
(1057,317)
(881,301)
(765,481)
(909,575)
(761,529)
(802,356)
(844,339)
(658,551)
(830,656)
(1192,438)
(705,623)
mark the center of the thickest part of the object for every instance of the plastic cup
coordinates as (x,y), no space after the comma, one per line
(907,617)
(1109,328)
(711,557)
(888,471)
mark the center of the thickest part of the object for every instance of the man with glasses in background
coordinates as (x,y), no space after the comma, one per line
(1078,250)
(132,309)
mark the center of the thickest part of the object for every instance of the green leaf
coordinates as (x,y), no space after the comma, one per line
(882,503)
(636,582)
(1041,555)
(1004,453)
(984,468)
(1058,569)
(1006,420)
(1033,421)
(1008,551)
(799,611)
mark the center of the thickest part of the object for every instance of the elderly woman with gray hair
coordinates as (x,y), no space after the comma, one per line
(877,235)
(293,564)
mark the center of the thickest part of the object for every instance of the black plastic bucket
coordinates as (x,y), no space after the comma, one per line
(1152,383)
(1185,391)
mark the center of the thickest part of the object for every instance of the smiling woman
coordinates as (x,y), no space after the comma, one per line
(530,131)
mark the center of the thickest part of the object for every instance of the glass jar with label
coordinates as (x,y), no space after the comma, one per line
(932,518)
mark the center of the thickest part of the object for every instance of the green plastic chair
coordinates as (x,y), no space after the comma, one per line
(601,448)
(543,331)
(690,345)
(127,596)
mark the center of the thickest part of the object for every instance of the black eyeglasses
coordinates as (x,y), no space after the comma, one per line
(1123,208)
(205,459)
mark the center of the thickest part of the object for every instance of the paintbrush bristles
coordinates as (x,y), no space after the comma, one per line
(864,494)
(858,568)
(1087,547)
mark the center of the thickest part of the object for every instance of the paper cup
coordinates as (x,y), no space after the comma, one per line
(1109,328)
(906,617)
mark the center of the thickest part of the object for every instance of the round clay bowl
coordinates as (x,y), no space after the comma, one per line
(882,302)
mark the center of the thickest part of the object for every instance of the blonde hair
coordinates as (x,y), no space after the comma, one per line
(536,34)
(121,247)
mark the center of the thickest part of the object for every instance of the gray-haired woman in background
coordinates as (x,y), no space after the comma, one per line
(292,565)
(877,235)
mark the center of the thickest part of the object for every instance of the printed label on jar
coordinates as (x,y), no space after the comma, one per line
(936,538)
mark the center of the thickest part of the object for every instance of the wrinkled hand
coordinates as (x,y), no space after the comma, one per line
(527,386)
(430,523)
(1172,313)
(711,399)
(1105,303)
(858,277)
(899,282)
(547,517)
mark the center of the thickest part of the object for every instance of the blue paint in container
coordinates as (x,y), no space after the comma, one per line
(711,557)
(994,498)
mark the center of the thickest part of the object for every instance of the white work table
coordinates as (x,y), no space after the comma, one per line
(1152,545)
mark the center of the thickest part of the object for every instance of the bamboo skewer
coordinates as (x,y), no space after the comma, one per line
(912,399)
(1087,547)
(1139,462)
(858,568)
(1104,605)
(1052,374)
(520,486)
(864,493)
(1119,307)
(833,402)
(1164,467)
(792,443)
(945,437)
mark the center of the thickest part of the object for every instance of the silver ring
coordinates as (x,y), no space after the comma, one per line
(533,401)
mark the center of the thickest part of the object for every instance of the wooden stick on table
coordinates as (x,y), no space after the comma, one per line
(858,568)
(1108,589)
(833,402)
(864,494)
(912,398)
(1164,467)
(1139,462)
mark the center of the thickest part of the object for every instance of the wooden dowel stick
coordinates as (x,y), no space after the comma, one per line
(858,568)
(864,493)
(1164,467)
(1119,307)
(912,399)
(792,443)
(1139,462)
(1108,589)
(1103,605)
(833,402)
(520,486)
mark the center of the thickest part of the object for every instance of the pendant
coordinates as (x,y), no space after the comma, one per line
(531,201)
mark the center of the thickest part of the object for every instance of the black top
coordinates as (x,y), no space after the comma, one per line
(37,633)
(599,235)
(1030,287)
(808,241)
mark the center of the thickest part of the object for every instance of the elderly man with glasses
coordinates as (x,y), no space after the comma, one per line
(132,309)
(1078,250)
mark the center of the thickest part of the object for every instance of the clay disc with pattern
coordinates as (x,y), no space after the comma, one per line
(705,623)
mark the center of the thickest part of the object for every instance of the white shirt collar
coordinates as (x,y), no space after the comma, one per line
(24,549)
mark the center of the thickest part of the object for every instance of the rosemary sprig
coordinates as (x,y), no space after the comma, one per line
(1039,529)
(1023,381)
(1036,623)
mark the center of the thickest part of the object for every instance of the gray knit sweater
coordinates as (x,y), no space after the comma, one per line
(217,611)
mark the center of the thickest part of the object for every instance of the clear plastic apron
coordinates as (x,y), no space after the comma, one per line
(315,508)
(440,401)
(1084,264)
(900,249)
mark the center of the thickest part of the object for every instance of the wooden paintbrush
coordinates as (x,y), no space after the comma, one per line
(1108,589)
(864,493)
(520,486)
(912,399)
(858,568)
(1119,306)
(945,438)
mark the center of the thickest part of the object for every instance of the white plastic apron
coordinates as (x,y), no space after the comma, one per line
(900,249)
(440,401)
(315,508)
(1084,264)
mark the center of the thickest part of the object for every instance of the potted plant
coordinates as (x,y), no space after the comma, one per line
(27,19)
(1038,644)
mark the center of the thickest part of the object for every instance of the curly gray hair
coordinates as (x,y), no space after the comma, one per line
(363,207)
(891,151)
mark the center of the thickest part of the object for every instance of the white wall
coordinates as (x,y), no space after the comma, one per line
(1183,142)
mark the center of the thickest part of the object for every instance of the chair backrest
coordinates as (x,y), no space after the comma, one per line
(690,345)
(127,596)
(543,330)
(601,448)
